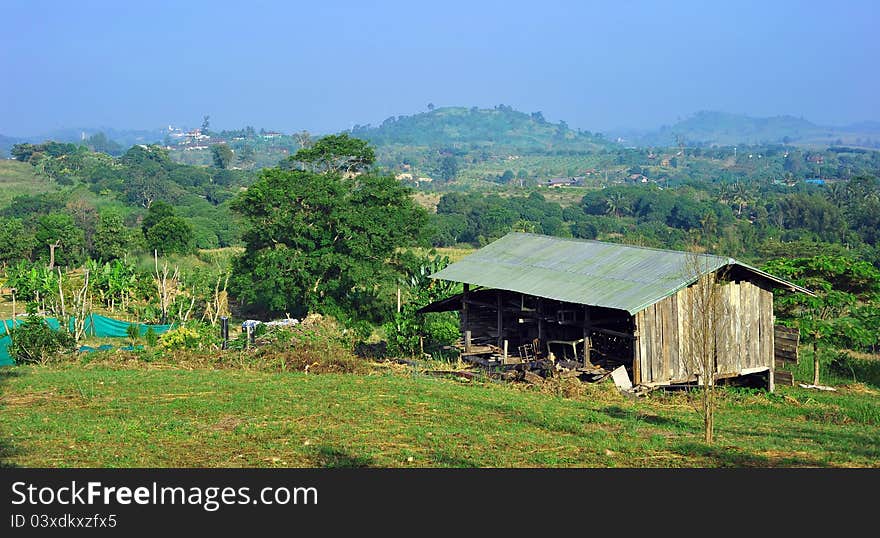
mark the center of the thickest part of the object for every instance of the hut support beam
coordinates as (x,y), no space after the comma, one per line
(464,318)
(500,320)
(540,323)
(587,362)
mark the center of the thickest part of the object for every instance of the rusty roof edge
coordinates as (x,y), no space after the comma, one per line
(784,283)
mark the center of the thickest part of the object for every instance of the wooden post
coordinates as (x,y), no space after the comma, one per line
(504,361)
(637,374)
(500,319)
(540,323)
(224,332)
(13,307)
(587,327)
(464,308)
(467,341)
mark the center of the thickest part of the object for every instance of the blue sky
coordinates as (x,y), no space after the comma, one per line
(324,66)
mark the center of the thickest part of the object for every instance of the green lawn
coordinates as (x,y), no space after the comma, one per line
(158,415)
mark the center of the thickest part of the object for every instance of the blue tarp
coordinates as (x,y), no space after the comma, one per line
(96,325)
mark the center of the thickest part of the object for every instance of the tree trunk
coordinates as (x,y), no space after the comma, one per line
(815,361)
(708,411)
(52,248)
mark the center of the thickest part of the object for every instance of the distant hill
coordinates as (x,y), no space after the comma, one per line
(501,126)
(712,128)
(6,143)
(125,138)
(864,127)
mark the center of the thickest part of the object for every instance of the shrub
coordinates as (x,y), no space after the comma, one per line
(441,329)
(35,342)
(437,329)
(151,337)
(192,336)
(133,332)
(317,345)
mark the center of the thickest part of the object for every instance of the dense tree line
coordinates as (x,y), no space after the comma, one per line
(751,221)
(126,186)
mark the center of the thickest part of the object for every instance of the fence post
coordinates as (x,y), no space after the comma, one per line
(224,332)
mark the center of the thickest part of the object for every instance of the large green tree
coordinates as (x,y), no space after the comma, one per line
(157,211)
(222,156)
(323,242)
(111,237)
(843,310)
(58,240)
(335,154)
(16,243)
(171,235)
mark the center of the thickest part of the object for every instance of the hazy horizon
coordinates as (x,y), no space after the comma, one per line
(598,66)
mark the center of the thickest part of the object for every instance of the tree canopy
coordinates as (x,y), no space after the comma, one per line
(844,310)
(335,154)
(323,242)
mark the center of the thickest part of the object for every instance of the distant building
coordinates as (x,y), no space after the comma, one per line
(561,182)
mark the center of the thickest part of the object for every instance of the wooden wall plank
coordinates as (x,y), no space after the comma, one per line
(784,349)
(747,322)
(766,328)
(755,320)
(688,315)
(750,320)
(674,370)
(728,348)
(649,344)
(664,314)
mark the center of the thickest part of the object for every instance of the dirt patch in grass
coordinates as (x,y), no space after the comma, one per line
(858,388)
(227,424)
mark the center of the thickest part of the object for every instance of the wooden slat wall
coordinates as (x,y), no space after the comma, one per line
(785,344)
(744,339)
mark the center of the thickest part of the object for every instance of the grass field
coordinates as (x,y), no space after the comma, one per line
(17,178)
(145,415)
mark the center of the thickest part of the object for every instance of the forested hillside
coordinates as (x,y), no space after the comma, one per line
(711,128)
(68,185)
(501,126)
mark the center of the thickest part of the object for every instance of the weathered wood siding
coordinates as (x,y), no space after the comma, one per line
(744,334)
(786,345)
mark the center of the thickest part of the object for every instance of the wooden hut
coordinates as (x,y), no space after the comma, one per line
(610,304)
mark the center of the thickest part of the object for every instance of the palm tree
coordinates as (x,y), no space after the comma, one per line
(838,194)
(724,193)
(615,203)
(742,196)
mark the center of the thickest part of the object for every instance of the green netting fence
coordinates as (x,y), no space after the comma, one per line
(96,325)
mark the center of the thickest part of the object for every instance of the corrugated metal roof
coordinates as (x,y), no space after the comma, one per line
(585,272)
